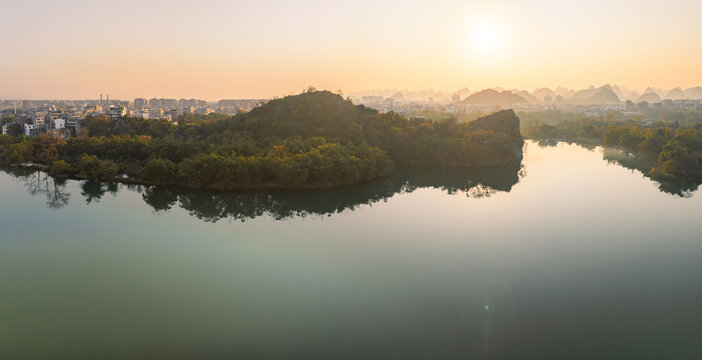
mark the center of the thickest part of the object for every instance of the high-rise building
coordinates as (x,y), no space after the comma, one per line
(629,105)
(140,103)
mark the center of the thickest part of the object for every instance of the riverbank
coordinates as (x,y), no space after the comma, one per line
(674,151)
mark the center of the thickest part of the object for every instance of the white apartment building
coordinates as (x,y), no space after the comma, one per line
(117,111)
(6,128)
(30,129)
(59,124)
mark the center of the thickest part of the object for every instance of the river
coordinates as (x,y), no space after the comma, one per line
(568,255)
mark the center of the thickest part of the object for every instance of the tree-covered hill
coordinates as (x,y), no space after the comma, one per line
(321,113)
(315,139)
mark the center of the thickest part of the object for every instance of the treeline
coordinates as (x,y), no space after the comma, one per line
(323,114)
(674,151)
(580,130)
(677,151)
(313,140)
(533,119)
(530,119)
(312,163)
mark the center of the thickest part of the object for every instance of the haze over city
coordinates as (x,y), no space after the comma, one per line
(213,50)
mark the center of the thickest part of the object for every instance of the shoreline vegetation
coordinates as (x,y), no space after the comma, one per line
(313,140)
(673,152)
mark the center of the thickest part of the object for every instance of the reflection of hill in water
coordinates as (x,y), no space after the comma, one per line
(213,206)
(682,188)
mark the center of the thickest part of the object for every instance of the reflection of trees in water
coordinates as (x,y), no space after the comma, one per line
(93,190)
(678,187)
(160,199)
(213,206)
(481,191)
(38,182)
(547,143)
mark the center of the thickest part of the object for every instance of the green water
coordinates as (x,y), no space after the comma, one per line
(564,256)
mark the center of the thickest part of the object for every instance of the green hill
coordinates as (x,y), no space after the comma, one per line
(319,113)
(313,140)
(406,141)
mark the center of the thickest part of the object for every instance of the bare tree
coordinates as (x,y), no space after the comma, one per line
(40,183)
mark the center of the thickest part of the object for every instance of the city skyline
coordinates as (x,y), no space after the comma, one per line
(464,91)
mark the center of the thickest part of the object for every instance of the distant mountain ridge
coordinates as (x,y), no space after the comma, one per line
(602,95)
(527,96)
(694,93)
(543,92)
(497,96)
(492,97)
(675,94)
(649,96)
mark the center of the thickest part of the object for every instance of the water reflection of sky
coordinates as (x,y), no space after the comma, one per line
(575,257)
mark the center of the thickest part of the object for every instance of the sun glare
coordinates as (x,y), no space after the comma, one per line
(485,37)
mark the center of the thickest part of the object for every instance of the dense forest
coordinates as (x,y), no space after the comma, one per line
(674,151)
(312,140)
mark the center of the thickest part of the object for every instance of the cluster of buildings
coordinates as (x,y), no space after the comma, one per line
(554,103)
(413,107)
(45,119)
(170,109)
(663,105)
(64,117)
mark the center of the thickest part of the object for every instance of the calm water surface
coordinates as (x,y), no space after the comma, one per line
(564,256)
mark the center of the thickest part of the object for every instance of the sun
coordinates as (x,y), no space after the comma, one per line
(485,37)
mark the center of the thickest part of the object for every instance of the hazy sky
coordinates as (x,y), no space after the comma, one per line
(214,49)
